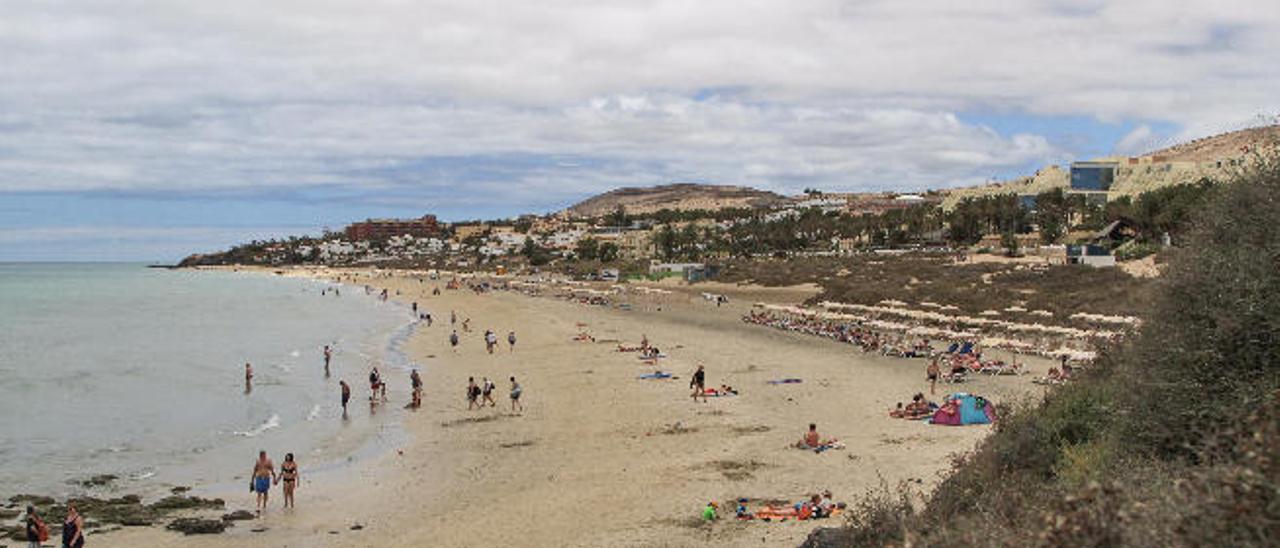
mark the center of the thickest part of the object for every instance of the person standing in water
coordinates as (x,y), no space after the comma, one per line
(328,355)
(248,378)
(511,341)
(346,396)
(289,477)
(516,390)
(264,472)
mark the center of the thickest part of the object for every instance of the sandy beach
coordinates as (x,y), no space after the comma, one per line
(600,457)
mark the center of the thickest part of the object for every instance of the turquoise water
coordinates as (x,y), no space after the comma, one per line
(137,372)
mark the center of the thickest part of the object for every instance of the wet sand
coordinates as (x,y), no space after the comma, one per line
(596,459)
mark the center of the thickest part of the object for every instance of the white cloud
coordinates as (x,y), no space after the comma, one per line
(159,95)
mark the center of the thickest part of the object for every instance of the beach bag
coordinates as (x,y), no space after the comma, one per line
(42,530)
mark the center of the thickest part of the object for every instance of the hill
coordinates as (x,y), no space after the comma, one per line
(680,197)
(1216,157)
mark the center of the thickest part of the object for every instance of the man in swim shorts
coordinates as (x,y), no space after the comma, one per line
(264,473)
(516,390)
(346,396)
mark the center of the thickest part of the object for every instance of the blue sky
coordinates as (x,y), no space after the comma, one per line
(144,130)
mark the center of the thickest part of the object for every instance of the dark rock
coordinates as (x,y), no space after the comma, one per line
(186,503)
(10,514)
(179,489)
(238,515)
(357,527)
(31,499)
(99,480)
(197,526)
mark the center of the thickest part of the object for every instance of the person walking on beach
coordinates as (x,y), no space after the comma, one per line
(473,394)
(416,381)
(699,384)
(328,355)
(516,389)
(346,396)
(289,477)
(511,341)
(453,341)
(931,375)
(248,378)
(264,472)
(453,318)
(415,308)
(73,529)
(37,531)
(490,340)
(486,391)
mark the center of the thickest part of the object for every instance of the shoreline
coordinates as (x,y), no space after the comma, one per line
(466,478)
(162,475)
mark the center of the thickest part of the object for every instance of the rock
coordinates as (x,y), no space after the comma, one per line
(186,503)
(31,499)
(99,480)
(179,489)
(238,515)
(197,526)
(10,514)
(357,527)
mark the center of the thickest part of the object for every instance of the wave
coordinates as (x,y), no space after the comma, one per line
(273,422)
(314,414)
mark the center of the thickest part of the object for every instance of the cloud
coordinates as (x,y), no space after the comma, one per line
(466,103)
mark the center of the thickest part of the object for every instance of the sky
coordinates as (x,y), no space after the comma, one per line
(148,130)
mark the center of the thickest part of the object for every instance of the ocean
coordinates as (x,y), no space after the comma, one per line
(139,373)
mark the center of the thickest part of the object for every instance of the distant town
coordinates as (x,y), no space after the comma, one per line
(1091,212)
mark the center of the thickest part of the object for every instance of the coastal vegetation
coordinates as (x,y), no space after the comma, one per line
(1168,439)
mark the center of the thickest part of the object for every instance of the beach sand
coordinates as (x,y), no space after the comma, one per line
(595,460)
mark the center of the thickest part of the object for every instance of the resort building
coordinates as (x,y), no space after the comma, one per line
(381,229)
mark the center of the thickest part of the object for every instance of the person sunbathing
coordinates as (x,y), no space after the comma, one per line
(898,412)
(811,439)
(951,407)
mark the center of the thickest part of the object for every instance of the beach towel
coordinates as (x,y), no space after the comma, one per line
(657,375)
(785,381)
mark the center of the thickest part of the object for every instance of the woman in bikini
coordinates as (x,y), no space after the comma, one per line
(289,477)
